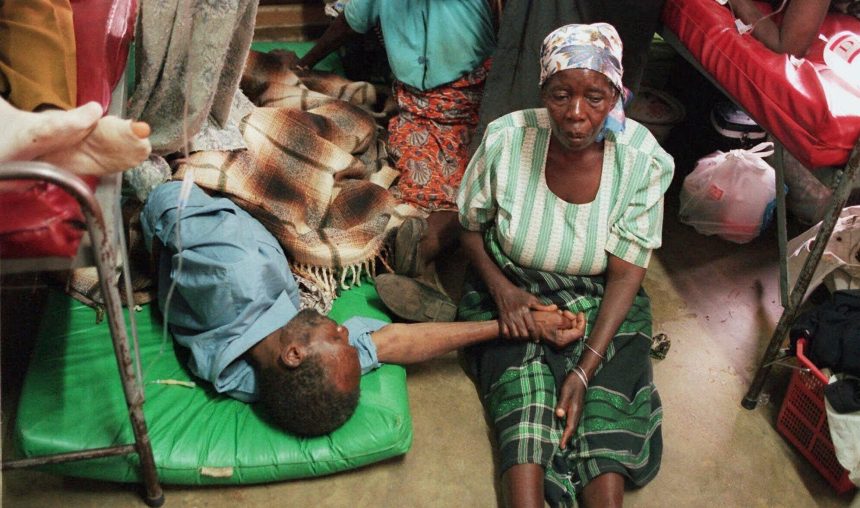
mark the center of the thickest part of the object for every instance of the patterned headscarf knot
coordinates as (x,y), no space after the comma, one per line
(596,47)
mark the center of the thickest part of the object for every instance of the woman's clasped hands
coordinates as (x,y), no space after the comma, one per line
(522,316)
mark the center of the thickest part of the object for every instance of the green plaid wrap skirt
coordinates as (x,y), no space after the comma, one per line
(620,427)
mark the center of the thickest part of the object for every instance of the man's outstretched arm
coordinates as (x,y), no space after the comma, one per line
(403,343)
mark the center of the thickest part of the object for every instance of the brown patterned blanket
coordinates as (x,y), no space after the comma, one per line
(316,171)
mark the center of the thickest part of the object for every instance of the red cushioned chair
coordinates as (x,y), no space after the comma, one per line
(44,207)
(810,111)
(47,220)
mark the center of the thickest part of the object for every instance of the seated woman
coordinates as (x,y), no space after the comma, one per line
(438,53)
(564,205)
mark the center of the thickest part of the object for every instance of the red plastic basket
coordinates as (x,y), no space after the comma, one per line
(803,422)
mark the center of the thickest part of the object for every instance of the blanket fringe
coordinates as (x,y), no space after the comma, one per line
(330,280)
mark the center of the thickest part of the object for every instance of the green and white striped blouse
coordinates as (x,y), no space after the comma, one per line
(504,186)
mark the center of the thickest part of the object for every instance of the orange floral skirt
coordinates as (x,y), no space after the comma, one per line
(429,139)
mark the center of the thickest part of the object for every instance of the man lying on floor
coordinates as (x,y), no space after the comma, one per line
(235,304)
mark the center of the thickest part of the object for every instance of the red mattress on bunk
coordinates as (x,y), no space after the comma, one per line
(40,219)
(804,104)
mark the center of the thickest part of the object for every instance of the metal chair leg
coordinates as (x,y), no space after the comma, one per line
(133,391)
(840,197)
(105,261)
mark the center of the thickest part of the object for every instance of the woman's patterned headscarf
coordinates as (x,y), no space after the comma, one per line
(596,47)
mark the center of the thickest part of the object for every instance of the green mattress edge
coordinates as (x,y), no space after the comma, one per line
(72,399)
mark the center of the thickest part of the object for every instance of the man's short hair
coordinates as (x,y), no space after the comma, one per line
(304,400)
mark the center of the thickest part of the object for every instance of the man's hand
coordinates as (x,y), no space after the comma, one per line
(515,318)
(569,407)
(559,328)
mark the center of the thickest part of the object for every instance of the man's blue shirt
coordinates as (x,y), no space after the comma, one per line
(234,287)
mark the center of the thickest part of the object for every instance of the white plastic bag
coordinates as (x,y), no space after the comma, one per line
(730,194)
(845,434)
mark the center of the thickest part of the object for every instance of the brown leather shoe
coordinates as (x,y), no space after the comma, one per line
(413,301)
(407,260)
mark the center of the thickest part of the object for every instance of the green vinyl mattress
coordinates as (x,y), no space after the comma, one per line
(72,399)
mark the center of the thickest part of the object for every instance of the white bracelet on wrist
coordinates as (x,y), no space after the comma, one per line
(602,357)
(581,375)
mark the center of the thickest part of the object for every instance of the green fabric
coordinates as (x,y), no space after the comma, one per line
(72,399)
(620,428)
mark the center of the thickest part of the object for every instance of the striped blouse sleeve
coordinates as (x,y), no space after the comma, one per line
(639,230)
(476,197)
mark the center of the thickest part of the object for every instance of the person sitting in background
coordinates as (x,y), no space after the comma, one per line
(564,205)
(235,305)
(438,52)
(799,26)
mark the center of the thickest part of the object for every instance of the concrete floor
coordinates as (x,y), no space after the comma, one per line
(716,301)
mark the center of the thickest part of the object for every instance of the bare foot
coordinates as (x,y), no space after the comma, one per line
(31,135)
(114,145)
